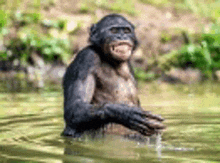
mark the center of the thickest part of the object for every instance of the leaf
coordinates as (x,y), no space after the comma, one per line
(47,51)
(206,53)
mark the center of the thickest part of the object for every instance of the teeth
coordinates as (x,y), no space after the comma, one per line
(121,48)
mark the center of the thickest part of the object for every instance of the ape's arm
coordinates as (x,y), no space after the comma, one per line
(79,85)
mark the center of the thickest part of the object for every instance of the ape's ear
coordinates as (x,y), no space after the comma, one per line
(93,28)
(93,34)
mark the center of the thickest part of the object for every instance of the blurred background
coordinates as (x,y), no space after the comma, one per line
(177,66)
(179,39)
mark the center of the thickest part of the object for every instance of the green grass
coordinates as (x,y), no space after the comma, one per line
(119,6)
(207,8)
(155,2)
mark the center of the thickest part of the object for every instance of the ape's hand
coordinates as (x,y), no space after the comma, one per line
(134,118)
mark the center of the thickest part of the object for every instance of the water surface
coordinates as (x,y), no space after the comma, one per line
(31,123)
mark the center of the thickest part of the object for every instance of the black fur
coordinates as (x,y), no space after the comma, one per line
(100,31)
(80,83)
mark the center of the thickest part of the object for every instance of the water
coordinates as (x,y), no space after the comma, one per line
(31,123)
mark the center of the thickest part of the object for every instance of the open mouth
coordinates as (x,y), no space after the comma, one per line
(121,47)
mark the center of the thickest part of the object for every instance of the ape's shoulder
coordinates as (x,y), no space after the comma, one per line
(87,56)
(85,62)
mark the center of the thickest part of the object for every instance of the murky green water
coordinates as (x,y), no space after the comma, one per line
(31,123)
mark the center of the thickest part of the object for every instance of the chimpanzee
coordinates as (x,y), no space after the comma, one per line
(99,85)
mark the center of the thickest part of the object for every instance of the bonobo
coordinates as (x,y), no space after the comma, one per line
(99,85)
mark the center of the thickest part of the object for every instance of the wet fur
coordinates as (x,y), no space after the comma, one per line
(100,89)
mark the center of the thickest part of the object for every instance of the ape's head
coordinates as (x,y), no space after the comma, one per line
(115,36)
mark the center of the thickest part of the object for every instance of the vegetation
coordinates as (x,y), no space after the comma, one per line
(24,31)
(203,54)
(47,45)
(142,75)
(33,34)
(207,8)
(116,6)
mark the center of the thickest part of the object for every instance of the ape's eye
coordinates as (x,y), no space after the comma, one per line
(114,30)
(127,30)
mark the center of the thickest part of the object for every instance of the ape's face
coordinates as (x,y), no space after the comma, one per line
(119,43)
(115,35)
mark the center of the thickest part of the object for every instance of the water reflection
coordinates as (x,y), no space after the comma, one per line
(109,148)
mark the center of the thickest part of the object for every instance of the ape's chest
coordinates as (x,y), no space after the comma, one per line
(115,87)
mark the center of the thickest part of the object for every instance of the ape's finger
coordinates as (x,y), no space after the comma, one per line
(145,128)
(155,125)
(148,133)
(138,127)
(153,116)
(152,125)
